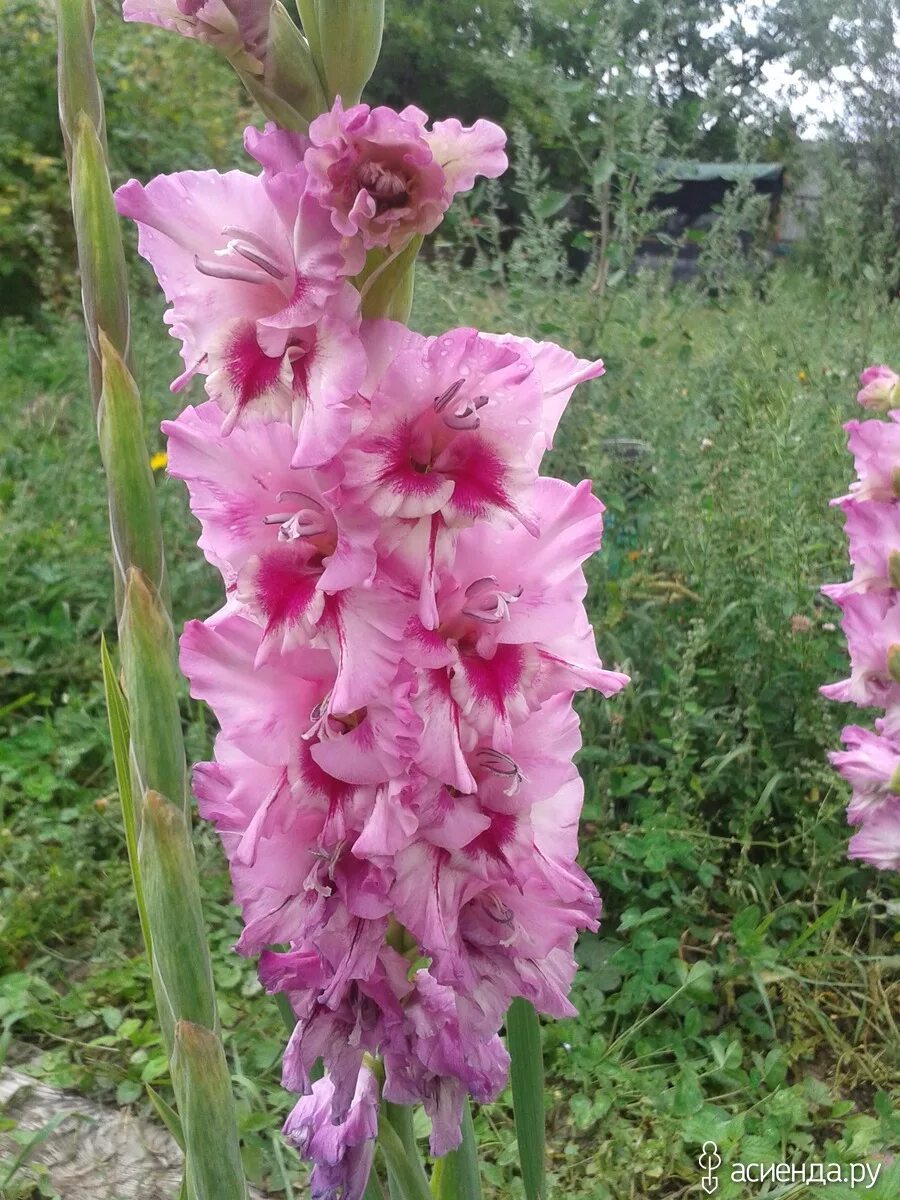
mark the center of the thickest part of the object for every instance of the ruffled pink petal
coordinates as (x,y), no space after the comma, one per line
(467,151)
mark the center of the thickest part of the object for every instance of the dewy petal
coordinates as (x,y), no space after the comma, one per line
(333,370)
(180,219)
(559,372)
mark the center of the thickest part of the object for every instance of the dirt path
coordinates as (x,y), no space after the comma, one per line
(93,1153)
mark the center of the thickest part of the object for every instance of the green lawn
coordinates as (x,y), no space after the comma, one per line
(742,986)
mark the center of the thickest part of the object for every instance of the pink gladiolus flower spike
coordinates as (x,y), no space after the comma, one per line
(870,604)
(403,630)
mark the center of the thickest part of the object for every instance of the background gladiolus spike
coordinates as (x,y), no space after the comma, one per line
(145,724)
(181,967)
(523,1039)
(870,619)
(148,661)
(133,515)
(456,1175)
(350,39)
(203,1086)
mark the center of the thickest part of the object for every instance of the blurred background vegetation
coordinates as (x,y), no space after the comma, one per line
(744,986)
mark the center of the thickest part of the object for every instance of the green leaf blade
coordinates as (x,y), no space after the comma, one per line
(523,1036)
(457,1175)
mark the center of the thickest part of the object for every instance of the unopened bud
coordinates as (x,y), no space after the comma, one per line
(893,568)
(350,42)
(893,661)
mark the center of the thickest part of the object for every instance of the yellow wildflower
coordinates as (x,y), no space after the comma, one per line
(158,460)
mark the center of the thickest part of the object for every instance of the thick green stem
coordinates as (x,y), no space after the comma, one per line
(456,1175)
(406,1175)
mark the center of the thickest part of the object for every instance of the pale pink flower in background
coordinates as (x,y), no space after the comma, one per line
(871,624)
(875,446)
(879,389)
(382,174)
(878,841)
(870,764)
(873,532)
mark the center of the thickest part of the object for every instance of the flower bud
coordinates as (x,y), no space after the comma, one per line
(203,1088)
(893,661)
(350,42)
(172,896)
(879,389)
(148,662)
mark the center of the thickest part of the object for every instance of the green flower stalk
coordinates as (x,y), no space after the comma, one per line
(144,715)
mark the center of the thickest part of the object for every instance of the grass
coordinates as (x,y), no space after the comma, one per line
(744,980)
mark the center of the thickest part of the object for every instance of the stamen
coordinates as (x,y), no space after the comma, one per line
(253,256)
(441,402)
(228,271)
(256,240)
(500,764)
(486,602)
(301,523)
(465,418)
(501,914)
